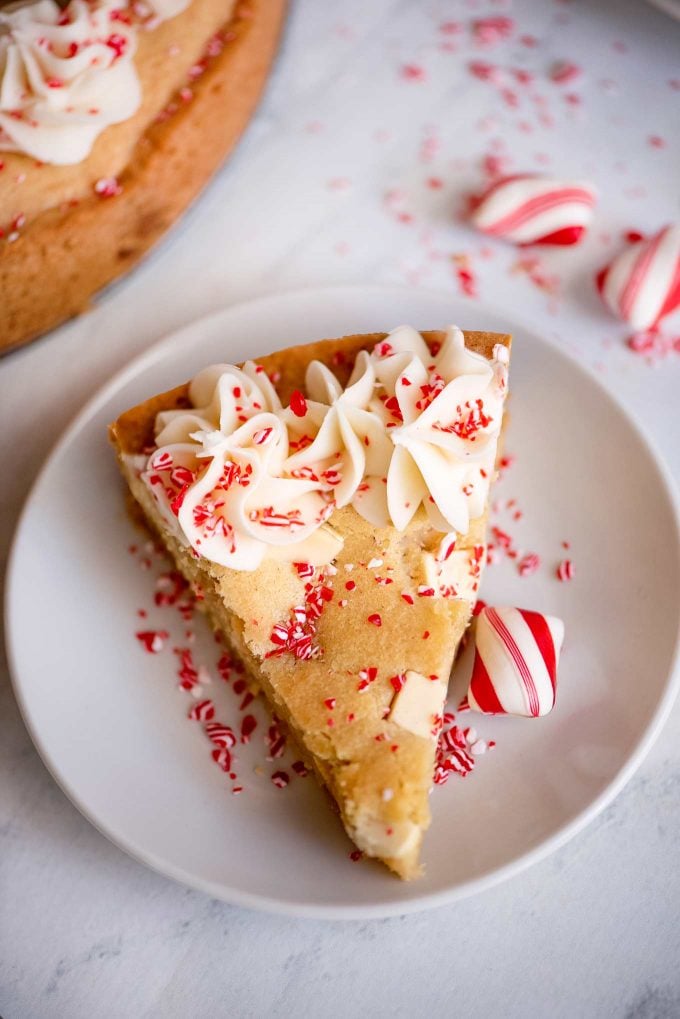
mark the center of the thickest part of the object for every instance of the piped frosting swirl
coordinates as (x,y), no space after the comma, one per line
(65,76)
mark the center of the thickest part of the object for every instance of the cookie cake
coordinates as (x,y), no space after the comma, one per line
(328,505)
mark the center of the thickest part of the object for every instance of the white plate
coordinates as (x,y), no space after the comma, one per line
(110,721)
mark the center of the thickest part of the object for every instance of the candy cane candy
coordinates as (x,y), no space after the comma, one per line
(531,209)
(515,666)
(642,284)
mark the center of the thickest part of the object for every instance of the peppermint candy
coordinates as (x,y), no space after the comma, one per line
(204,711)
(222,759)
(515,666)
(220,735)
(531,209)
(642,284)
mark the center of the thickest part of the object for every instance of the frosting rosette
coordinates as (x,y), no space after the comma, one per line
(218,475)
(338,441)
(65,75)
(443,415)
(239,477)
(222,398)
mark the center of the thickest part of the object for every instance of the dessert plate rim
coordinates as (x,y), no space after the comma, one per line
(281,904)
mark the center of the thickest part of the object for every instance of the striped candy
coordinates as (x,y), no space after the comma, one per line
(204,711)
(530,209)
(515,667)
(220,735)
(642,284)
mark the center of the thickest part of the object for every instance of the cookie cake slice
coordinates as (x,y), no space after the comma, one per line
(329,501)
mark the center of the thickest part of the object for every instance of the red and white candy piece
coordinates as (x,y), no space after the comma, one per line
(532,209)
(642,284)
(515,667)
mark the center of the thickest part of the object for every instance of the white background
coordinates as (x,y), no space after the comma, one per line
(342,145)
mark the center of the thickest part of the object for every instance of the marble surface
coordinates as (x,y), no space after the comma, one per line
(371,130)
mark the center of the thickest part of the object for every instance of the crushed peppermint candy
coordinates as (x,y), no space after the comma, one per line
(366,677)
(204,711)
(222,759)
(171,594)
(492,30)
(563,72)
(297,636)
(565,570)
(248,726)
(528,564)
(108,187)
(457,749)
(221,735)
(298,403)
(153,641)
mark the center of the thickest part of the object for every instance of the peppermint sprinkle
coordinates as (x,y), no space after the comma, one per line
(152,641)
(489,31)
(564,72)
(528,564)
(259,438)
(413,72)
(222,759)
(202,712)
(298,404)
(366,677)
(108,187)
(248,726)
(565,570)
(221,735)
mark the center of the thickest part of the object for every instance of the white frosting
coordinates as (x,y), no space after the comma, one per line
(350,442)
(639,280)
(239,477)
(219,471)
(418,706)
(443,414)
(526,208)
(64,77)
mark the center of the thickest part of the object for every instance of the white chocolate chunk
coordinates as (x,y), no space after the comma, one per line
(418,705)
(395,840)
